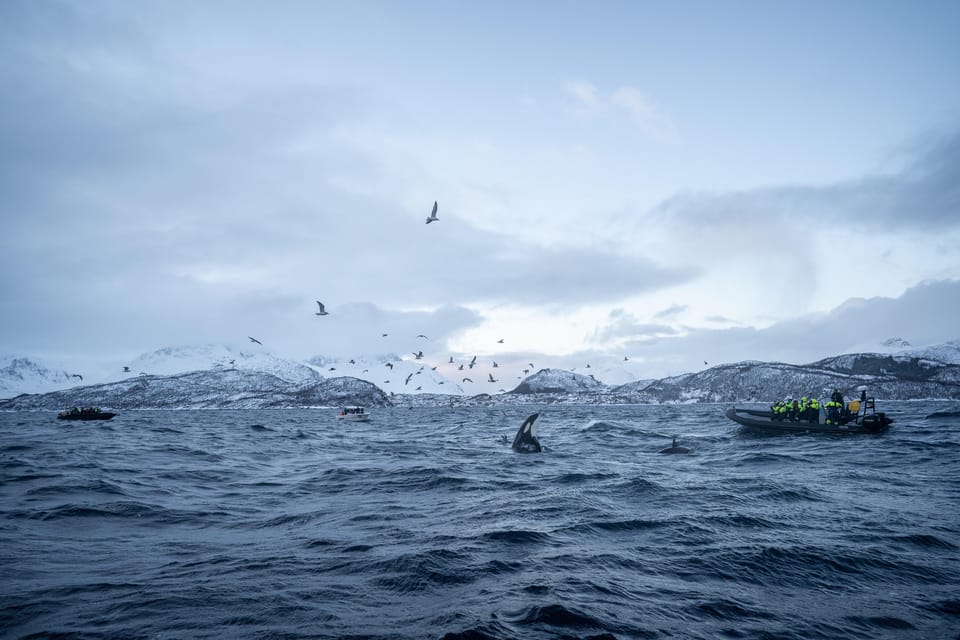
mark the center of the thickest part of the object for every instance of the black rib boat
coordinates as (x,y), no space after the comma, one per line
(757,419)
(85,414)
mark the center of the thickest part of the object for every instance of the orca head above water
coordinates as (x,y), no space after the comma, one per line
(526,439)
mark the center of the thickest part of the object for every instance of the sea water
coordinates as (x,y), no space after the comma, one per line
(421,524)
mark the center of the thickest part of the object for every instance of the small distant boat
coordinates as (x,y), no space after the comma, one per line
(87,413)
(861,417)
(353,414)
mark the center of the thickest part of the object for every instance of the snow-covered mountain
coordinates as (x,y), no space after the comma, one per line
(174,360)
(210,389)
(25,375)
(558,381)
(203,377)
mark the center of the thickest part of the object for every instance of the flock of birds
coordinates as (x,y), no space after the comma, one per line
(418,355)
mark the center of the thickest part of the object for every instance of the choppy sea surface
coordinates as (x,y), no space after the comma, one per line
(420,524)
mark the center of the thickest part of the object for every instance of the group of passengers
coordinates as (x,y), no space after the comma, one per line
(793,410)
(808,410)
(75,411)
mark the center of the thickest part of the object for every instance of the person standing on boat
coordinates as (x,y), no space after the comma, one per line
(813,411)
(833,409)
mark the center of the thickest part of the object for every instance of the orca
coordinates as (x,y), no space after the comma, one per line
(526,439)
(675,448)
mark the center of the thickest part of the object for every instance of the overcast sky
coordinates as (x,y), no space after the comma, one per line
(669,182)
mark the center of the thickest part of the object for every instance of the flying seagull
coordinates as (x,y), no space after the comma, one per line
(500,341)
(252,339)
(126,369)
(433,214)
(495,365)
(389,364)
(418,355)
(491,377)
(322,312)
(407,381)
(451,360)
(420,335)
(76,375)
(467,380)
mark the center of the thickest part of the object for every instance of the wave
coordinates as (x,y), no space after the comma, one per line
(390,533)
(950,413)
(517,536)
(556,615)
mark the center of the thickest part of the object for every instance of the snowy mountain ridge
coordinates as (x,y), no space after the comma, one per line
(225,377)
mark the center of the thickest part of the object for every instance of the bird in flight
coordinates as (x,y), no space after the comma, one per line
(390,364)
(126,369)
(495,365)
(467,380)
(76,375)
(433,214)
(451,360)
(704,362)
(407,381)
(322,312)
(491,377)
(500,341)
(625,358)
(383,335)
(418,355)
(420,335)
(252,339)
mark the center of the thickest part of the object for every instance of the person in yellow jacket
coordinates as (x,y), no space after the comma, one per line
(833,409)
(813,411)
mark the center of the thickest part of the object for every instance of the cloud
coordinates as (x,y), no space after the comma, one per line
(624,326)
(924,315)
(586,95)
(670,312)
(631,101)
(644,114)
(923,196)
(181,207)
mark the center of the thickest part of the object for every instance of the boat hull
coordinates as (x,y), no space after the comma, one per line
(874,423)
(103,415)
(353,417)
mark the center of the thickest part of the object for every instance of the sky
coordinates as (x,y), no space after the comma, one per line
(672,183)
